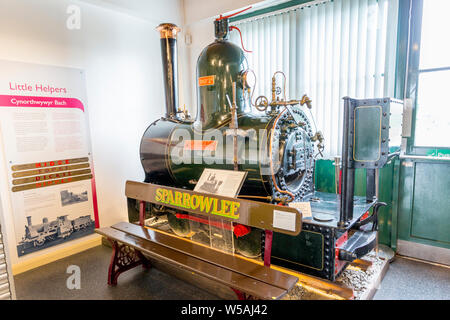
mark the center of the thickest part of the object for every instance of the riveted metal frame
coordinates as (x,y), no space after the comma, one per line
(355,104)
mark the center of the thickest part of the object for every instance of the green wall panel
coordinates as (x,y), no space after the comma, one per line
(386,183)
(430,211)
(324,176)
(405,188)
(423,206)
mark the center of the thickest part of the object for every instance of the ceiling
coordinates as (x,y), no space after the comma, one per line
(193,10)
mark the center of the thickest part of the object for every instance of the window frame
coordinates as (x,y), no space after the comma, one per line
(408,67)
(270,9)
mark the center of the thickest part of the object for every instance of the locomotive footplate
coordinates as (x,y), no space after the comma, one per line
(324,249)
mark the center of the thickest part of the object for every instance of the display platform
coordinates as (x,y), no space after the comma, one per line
(325,209)
(358,282)
(362,277)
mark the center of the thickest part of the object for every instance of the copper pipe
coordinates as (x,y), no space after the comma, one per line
(168,30)
(274,85)
(235,127)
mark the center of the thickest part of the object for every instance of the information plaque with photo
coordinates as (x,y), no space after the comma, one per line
(49,174)
(225,183)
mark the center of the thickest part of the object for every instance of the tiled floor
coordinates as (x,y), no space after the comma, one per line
(405,279)
(413,280)
(49,281)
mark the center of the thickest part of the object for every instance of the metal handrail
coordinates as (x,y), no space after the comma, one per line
(414,157)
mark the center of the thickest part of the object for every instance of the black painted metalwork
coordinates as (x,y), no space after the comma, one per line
(348,172)
(170,68)
(370,184)
(221,28)
(366,144)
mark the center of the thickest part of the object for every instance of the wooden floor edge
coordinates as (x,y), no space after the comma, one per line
(38,261)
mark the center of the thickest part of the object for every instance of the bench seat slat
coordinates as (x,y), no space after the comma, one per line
(224,276)
(250,269)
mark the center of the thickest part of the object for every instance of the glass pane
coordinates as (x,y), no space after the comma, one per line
(433,110)
(435,47)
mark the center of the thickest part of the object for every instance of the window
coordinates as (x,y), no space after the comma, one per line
(328,50)
(433,105)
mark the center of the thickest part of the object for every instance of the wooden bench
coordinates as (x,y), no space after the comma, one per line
(134,245)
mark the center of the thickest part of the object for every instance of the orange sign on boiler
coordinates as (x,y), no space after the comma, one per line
(206,81)
(200,145)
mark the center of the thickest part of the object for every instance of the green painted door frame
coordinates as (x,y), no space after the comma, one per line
(420,193)
(423,206)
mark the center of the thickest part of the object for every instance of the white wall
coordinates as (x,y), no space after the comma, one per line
(121,56)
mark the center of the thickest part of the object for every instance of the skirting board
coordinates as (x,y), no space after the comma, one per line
(424,252)
(92,241)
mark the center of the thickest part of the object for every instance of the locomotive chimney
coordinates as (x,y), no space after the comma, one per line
(29,221)
(168,34)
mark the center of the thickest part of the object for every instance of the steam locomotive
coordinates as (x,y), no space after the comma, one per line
(272,139)
(38,234)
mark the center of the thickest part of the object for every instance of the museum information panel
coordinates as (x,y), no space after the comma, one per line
(47,154)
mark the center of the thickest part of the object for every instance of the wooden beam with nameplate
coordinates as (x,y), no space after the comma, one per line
(260,215)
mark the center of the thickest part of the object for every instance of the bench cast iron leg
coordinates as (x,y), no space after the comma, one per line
(242,295)
(124,258)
